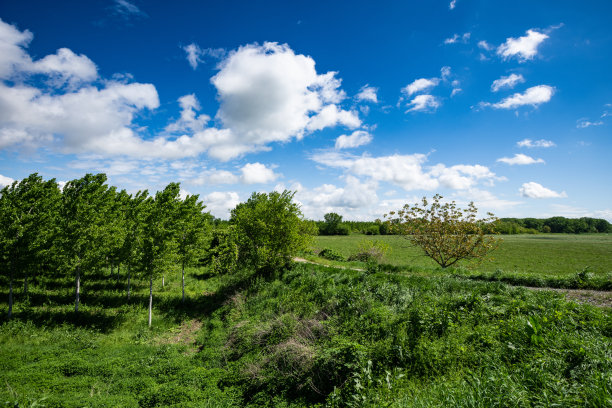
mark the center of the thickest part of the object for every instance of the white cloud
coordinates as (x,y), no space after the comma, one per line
(419,85)
(523,48)
(221,203)
(267,94)
(520,159)
(535,190)
(257,173)
(367,93)
(5,181)
(463,38)
(270,94)
(408,171)
(355,139)
(422,103)
(535,143)
(193,54)
(533,96)
(485,45)
(577,212)
(189,120)
(585,123)
(456,91)
(127,9)
(452,4)
(507,82)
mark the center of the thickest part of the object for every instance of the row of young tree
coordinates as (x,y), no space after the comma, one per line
(88,225)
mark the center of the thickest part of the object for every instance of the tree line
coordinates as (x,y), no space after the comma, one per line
(333,224)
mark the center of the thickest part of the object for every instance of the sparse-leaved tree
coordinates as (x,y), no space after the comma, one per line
(445,233)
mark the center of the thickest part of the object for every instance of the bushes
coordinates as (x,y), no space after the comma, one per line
(370,251)
(330,254)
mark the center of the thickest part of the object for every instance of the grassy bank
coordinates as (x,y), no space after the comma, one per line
(315,336)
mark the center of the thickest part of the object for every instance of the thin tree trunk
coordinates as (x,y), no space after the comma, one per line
(163,281)
(183,280)
(150,298)
(78,288)
(129,276)
(10,311)
(118,268)
(111,269)
(25,284)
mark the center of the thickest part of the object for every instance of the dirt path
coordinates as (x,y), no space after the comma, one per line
(594,297)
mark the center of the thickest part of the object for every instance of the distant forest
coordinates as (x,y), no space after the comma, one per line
(502,226)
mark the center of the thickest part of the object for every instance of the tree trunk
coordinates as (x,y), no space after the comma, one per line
(111,266)
(25,284)
(118,268)
(150,298)
(129,276)
(183,280)
(78,288)
(163,281)
(10,311)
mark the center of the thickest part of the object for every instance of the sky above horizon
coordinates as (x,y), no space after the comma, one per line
(358,107)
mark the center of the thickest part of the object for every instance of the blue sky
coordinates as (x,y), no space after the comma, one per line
(359,107)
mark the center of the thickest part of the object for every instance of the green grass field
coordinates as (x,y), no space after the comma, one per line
(554,254)
(318,336)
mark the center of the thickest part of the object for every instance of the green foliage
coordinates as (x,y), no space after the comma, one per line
(328,253)
(269,231)
(444,232)
(222,254)
(370,251)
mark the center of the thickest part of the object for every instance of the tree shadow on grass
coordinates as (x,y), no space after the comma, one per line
(102,321)
(203,305)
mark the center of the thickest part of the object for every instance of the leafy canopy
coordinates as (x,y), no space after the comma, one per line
(445,233)
(269,230)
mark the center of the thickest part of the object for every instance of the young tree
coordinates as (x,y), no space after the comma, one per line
(269,230)
(131,254)
(192,228)
(159,232)
(85,204)
(445,233)
(28,212)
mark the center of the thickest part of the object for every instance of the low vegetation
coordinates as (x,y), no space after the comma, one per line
(236,323)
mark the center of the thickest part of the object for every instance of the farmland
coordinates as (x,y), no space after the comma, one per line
(316,335)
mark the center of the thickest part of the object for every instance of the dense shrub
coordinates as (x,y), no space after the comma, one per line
(330,254)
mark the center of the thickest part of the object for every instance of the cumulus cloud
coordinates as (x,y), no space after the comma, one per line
(419,85)
(257,173)
(220,203)
(423,103)
(585,123)
(270,94)
(368,94)
(408,171)
(452,4)
(355,139)
(523,48)
(456,38)
(507,82)
(267,94)
(520,159)
(533,96)
(535,143)
(535,190)
(5,181)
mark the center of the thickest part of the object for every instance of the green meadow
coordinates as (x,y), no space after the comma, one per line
(414,336)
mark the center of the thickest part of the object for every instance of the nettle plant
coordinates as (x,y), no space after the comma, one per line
(446,233)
